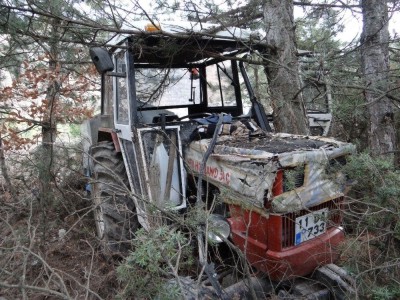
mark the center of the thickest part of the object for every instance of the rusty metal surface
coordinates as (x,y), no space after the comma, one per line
(246,169)
(274,144)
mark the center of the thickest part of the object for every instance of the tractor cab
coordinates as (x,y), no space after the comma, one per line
(159,76)
(159,86)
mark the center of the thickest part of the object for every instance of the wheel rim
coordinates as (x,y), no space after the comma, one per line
(98,212)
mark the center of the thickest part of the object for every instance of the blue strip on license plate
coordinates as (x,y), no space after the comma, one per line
(310,225)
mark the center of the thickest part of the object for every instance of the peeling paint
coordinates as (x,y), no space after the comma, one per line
(252,168)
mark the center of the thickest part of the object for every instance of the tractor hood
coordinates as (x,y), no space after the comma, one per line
(245,169)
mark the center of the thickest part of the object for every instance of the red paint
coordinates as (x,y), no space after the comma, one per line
(303,259)
(260,239)
(277,187)
(116,141)
(275,232)
(106,134)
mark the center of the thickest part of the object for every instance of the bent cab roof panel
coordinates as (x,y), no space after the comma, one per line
(185,42)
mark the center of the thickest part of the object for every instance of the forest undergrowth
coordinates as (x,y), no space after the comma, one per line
(50,250)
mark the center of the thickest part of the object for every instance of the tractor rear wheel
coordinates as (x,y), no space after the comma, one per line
(114,209)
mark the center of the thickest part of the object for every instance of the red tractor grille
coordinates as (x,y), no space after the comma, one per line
(288,220)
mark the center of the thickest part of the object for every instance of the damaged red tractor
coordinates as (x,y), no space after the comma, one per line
(180,124)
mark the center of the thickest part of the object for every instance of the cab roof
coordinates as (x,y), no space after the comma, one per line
(185,42)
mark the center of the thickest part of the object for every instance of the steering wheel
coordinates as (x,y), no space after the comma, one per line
(196,115)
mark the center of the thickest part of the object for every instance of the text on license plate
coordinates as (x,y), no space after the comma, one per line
(310,225)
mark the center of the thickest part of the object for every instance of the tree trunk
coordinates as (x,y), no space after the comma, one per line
(49,127)
(282,68)
(375,68)
(49,130)
(4,172)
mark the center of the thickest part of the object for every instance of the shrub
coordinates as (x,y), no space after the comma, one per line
(157,256)
(373,221)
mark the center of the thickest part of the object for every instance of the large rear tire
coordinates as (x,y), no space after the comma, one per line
(114,210)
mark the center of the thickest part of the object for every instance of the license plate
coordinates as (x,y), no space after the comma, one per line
(310,225)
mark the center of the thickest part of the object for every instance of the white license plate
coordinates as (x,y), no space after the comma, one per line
(310,225)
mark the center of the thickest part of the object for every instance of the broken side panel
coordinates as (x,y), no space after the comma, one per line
(132,165)
(163,166)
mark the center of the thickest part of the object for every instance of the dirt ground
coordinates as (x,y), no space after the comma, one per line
(52,252)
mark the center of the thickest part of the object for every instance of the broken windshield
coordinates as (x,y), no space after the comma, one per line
(156,87)
(220,86)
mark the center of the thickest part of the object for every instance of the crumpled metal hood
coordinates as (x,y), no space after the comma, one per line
(245,170)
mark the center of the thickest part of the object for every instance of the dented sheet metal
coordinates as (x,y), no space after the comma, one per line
(249,168)
(243,174)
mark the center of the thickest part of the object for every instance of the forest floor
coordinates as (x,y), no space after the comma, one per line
(51,251)
(53,256)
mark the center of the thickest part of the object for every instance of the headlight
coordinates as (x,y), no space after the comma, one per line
(218,228)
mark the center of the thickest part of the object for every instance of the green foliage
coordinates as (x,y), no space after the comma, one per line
(378,187)
(157,256)
(292,177)
(350,110)
(373,221)
(386,293)
(75,130)
(318,32)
